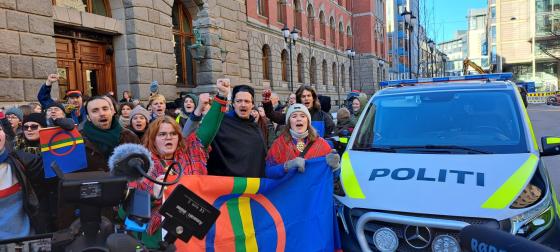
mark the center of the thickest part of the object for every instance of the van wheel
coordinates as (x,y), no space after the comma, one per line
(530,195)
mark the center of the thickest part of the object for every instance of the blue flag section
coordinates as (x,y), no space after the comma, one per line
(66,148)
(293,213)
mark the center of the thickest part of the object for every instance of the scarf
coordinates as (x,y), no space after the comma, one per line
(104,140)
(299,135)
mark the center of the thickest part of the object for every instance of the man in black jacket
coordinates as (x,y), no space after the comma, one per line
(230,155)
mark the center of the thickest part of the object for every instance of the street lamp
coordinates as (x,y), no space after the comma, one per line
(408,19)
(351,54)
(432,46)
(290,38)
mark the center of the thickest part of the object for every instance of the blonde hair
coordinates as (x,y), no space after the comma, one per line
(156,97)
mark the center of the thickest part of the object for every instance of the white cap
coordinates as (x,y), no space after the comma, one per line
(297,107)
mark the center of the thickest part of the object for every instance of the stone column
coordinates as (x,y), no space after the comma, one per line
(27,49)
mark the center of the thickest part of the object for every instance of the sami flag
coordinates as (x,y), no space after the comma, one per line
(293,213)
(66,148)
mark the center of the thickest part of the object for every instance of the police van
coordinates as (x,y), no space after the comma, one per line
(429,157)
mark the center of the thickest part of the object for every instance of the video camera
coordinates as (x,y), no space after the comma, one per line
(92,191)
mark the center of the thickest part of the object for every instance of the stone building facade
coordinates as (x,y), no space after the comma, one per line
(117,45)
(186,45)
(319,57)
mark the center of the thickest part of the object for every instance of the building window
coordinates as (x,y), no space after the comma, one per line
(350,75)
(300,68)
(334,76)
(313,71)
(341,35)
(349,34)
(311,20)
(262,8)
(183,38)
(342,75)
(333,30)
(325,76)
(280,11)
(266,63)
(322,25)
(99,7)
(349,5)
(284,58)
(297,15)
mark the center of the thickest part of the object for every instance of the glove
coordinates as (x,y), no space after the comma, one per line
(65,123)
(333,160)
(298,163)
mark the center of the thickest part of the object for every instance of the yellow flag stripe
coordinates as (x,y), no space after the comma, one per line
(248,227)
(57,146)
(253,185)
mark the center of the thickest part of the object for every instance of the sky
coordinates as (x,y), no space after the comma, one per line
(445,17)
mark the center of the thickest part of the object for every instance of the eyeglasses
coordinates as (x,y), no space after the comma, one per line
(12,117)
(167,134)
(31,127)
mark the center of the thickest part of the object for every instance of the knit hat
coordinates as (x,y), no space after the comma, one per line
(15,111)
(36,117)
(297,107)
(243,88)
(55,104)
(139,110)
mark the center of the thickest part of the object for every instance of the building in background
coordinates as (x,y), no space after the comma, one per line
(456,50)
(477,45)
(547,44)
(491,37)
(403,60)
(186,45)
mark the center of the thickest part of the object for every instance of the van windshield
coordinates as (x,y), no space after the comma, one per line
(457,122)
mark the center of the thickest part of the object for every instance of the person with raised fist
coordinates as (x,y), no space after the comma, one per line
(74,99)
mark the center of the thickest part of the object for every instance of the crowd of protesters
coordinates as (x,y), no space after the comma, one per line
(227,134)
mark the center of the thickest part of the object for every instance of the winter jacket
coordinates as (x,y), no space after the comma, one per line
(44,97)
(356,114)
(28,169)
(239,148)
(284,149)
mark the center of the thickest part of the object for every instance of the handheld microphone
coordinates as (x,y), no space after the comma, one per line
(132,161)
(477,238)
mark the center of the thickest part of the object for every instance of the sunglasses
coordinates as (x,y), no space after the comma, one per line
(32,127)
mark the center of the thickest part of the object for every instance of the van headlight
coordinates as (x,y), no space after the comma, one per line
(538,219)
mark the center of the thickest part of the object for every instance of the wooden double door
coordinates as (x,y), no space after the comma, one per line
(84,65)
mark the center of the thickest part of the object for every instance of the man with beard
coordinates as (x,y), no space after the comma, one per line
(74,109)
(102,133)
(230,155)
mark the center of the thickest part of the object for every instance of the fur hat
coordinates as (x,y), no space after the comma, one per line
(297,107)
(36,117)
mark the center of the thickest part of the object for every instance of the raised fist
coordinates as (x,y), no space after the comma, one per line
(223,86)
(203,101)
(266,95)
(53,78)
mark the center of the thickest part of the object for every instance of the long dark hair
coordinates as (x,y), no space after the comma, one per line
(299,92)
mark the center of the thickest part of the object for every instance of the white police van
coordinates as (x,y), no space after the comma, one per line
(429,157)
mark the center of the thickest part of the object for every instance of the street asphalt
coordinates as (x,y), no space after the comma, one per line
(546,122)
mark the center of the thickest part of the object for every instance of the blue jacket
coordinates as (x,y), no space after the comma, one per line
(44,97)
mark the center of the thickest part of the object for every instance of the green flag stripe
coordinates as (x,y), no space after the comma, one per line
(236,224)
(60,142)
(239,185)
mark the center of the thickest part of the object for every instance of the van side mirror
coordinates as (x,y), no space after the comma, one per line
(550,146)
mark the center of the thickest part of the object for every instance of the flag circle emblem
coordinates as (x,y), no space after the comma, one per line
(65,135)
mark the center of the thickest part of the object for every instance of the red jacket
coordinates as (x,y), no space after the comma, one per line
(284,149)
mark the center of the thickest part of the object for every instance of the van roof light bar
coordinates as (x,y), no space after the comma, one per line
(410,82)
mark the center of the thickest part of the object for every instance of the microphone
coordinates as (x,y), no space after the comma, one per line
(132,161)
(477,238)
